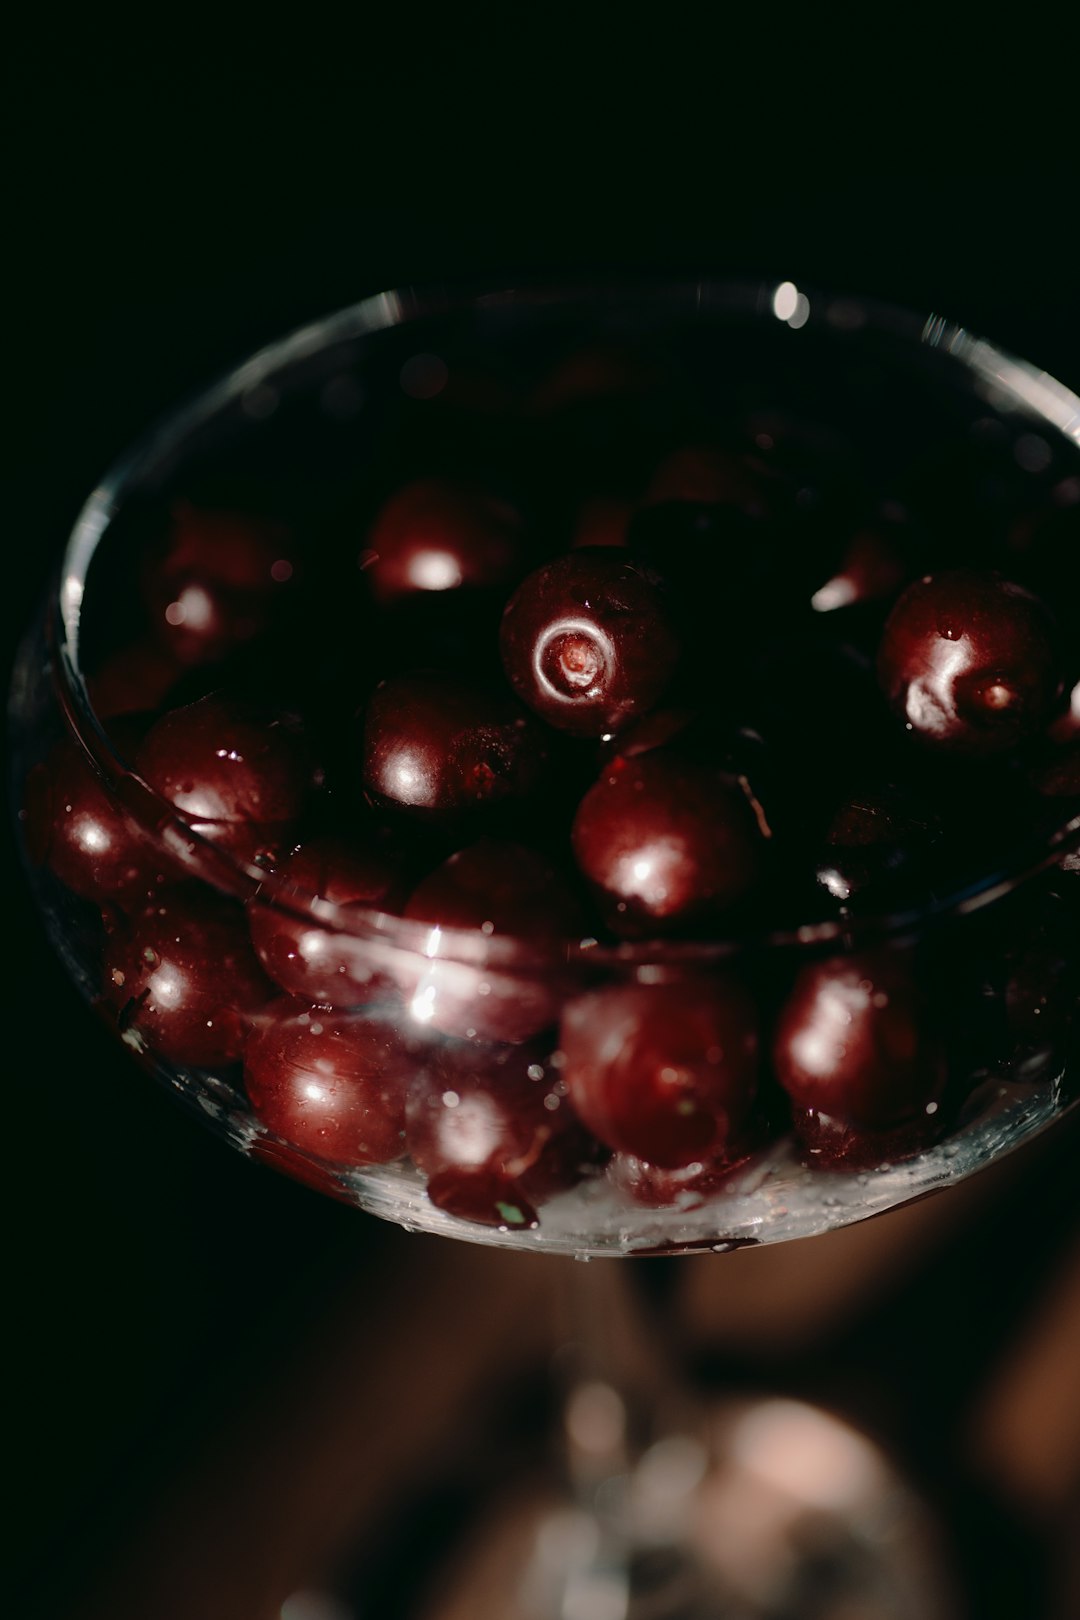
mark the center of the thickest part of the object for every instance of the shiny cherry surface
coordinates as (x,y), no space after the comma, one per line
(440,744)
(686,1187)
(184,978)
(332,1084)
(493,887)
(856,1042)
(498,887)
(666,1072)
(589,641)
(439,535)
(492,1130)
(75,826)
(238,777)
(320,964)
(666,841)
(969,662)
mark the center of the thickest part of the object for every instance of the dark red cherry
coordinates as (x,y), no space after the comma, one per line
(666,1072)
(239,778)
(666,841)
(878,837)
(836,1144)
(217,583)
(75,826)
(687,1187)
(493,888)
(492,1130)
(589,641)
(856,1042)
(184,979)
(331,1084)
(437,535)
(324,964)
(969,662)
(439,744)
(500,888)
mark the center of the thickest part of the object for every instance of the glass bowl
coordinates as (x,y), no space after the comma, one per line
(405,1047)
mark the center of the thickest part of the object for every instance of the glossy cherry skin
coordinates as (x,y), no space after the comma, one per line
(688,1187)
(492,1130)
(437,535)
(969,662)
(329,1083)
(494,887)
(856,1042)
(666,841)
(184,979)
(218,582)
(589,641)
(440,745)
(75,826)
(837,1144)
(666,1072)
(322,964)
(239,778)
(498,887)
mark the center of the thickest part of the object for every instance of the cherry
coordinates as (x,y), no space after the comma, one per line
(687,1187)
(837,1144)
(855,1042)
(666,841)
(666,1072)
(709,522)
(876,838)
(437,535)
(329,1083)
(589,642)
(968,661)
(492,888)
(320,964)
(493,1132)
(440,744)
(499,888)
(239,778)
(184,978)
(218,581)
(77,827)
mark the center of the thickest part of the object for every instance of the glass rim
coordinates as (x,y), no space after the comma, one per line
(1021,383)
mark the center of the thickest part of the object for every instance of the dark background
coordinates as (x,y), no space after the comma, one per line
(169,209)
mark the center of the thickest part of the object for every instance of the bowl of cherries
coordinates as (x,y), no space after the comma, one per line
(590,769)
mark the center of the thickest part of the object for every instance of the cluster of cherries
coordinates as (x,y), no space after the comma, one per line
(655,739)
